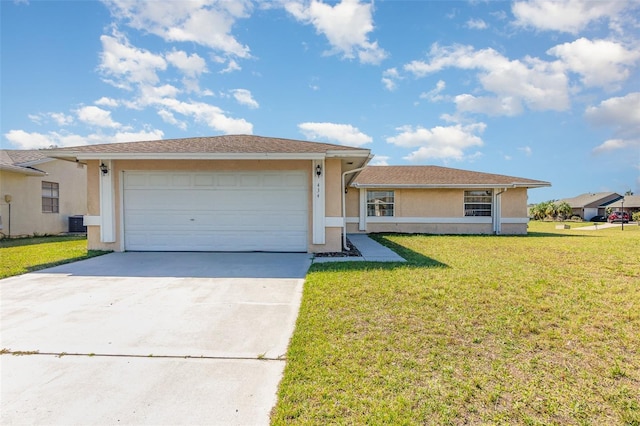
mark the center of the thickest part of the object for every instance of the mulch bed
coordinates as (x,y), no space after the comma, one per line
(351,252)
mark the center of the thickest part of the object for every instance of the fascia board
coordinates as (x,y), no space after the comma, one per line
(23,170)
(348,153)
(455,186)
(429,186)
(194,156)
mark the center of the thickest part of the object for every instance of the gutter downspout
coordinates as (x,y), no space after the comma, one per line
(498,212)
(344,205)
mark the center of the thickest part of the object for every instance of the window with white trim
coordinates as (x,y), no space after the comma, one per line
(478,202)
(50,197)
(380,203)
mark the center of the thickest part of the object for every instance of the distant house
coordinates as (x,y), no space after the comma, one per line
(253,193)
(628,203)
(591,204)
(39,193)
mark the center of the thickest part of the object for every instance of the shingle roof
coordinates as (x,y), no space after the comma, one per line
(229,144)
(630,201)
(435,176)
(592,199)
(19,161)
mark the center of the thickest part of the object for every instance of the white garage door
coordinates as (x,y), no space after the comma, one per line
(216,211)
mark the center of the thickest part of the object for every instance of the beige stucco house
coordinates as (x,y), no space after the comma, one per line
(252,193)
(38,193)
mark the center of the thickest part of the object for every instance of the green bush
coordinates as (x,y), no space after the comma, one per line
(636,217)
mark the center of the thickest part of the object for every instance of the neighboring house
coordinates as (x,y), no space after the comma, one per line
(252,193)
(437,200)
(39,193)
(591,204)
(628,203)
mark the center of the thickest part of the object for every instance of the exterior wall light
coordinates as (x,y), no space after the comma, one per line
(104,169)
(319,170)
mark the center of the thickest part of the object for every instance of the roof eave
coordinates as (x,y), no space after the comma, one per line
(84,156)
(450,185)
(23,170)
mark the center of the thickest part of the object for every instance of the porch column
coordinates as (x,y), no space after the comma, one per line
(318,204)
(107,205)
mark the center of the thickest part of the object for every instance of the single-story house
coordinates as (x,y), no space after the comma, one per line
(628,203)
(591,204)
(253,193)
(38,193)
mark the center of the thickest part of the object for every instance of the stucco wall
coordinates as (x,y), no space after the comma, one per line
(332,203)
(441,211)
(27,217)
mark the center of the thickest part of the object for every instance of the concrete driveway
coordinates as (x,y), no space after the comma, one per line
(149,338)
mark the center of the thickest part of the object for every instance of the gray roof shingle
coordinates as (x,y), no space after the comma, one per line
(432,176)
(229,144)
(20,161)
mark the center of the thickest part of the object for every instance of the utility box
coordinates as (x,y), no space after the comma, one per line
(76,224)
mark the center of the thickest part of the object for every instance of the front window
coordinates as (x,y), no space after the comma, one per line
(478,203)
(50,197)
(380,203)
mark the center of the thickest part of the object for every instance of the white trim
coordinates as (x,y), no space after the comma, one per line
(514,220)
(362,225)
(318,203)
(91,220)
(107,214)
(195,156)
(333,222)
(450,185)
(456,220)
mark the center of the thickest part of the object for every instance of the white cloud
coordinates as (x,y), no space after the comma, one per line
(204,22)
(344,134)
(191,65)
(569,16)
(127,64)
(526,150)
(441,143)
(623,115)
(244,97)
(390,77)
(144,135)
(619,112)
(616,144)
(61,119)
(535,83)
(380,160)
(25,140)
(493,106)
(476,24)
(108,102)
(207,114)
(95,116)
(601,63)
(231,67)
(346,26)
(168,117)
(434,95)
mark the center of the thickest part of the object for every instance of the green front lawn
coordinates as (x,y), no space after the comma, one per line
(22,255)
(538,329)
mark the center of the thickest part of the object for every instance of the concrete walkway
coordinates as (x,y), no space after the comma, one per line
(371,251)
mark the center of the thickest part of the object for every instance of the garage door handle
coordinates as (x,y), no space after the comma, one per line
(192,220)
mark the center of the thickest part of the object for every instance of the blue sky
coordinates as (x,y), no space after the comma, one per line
(542,90)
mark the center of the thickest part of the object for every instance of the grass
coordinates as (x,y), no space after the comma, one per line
(22,255)
(534,330)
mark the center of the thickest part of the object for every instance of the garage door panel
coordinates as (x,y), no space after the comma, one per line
(216,211)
